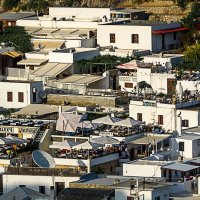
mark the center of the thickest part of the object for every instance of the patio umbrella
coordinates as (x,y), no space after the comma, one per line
(68,122)
(87,145)
(128,122)
(16,139)
(63,145)
(105,140)
(87,124)
(7,141)
(108,120)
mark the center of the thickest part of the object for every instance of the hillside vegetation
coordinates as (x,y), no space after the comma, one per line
(165,10)
(9,5)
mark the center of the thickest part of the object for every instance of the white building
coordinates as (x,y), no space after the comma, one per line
(166,114)
(81,84)
(33,179)
(162,59)
(145,190)
(144,168)
(18,94)
(187,145)
(154,37)
(160,82)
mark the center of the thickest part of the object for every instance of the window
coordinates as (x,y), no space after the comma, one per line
(42,189)
(112,38)
(22,185)
(130,198)
(181,146)
(160,119)
(139,116)
(34,94)
(9,96)
(20,97)
(157,198)
(185,123)
(175,35)
(135,38)
(128,85)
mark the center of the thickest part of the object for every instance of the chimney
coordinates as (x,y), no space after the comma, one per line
(60,110)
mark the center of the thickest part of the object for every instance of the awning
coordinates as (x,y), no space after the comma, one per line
(180,167)
(13,54)
(173,30)
(30,61)
(81,79)
(51,69)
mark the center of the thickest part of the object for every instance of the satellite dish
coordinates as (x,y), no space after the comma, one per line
(43,159)
(168,65)
(42,94)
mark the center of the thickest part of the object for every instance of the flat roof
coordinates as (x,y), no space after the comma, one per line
(46,30)
(51,69)
(16,15)
(150,139)
(32,61)
(81,79)
(126,10)
(149,162)
(180,167)
(138,23)
(190,136)
(195,160)
(31,29)
(36,109)
(194,130)
(143,185)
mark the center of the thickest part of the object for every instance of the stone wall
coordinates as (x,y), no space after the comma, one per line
(82,100)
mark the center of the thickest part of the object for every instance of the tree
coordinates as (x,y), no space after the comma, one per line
(10,4)
(192,54)
(192,19)
(37,5)
(18,37)
(143,85)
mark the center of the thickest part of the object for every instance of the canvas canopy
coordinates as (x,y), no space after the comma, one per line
(106,120)
(63,145)
(128,122)
(105,140)
(87,145)
(68,122)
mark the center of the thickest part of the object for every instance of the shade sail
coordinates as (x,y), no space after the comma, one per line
(129,123)
(68,122)
(87,145)
(63,145)
(106,120)
(88,125)
(105,140)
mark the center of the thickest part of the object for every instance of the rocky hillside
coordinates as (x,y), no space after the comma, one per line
(166,10)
